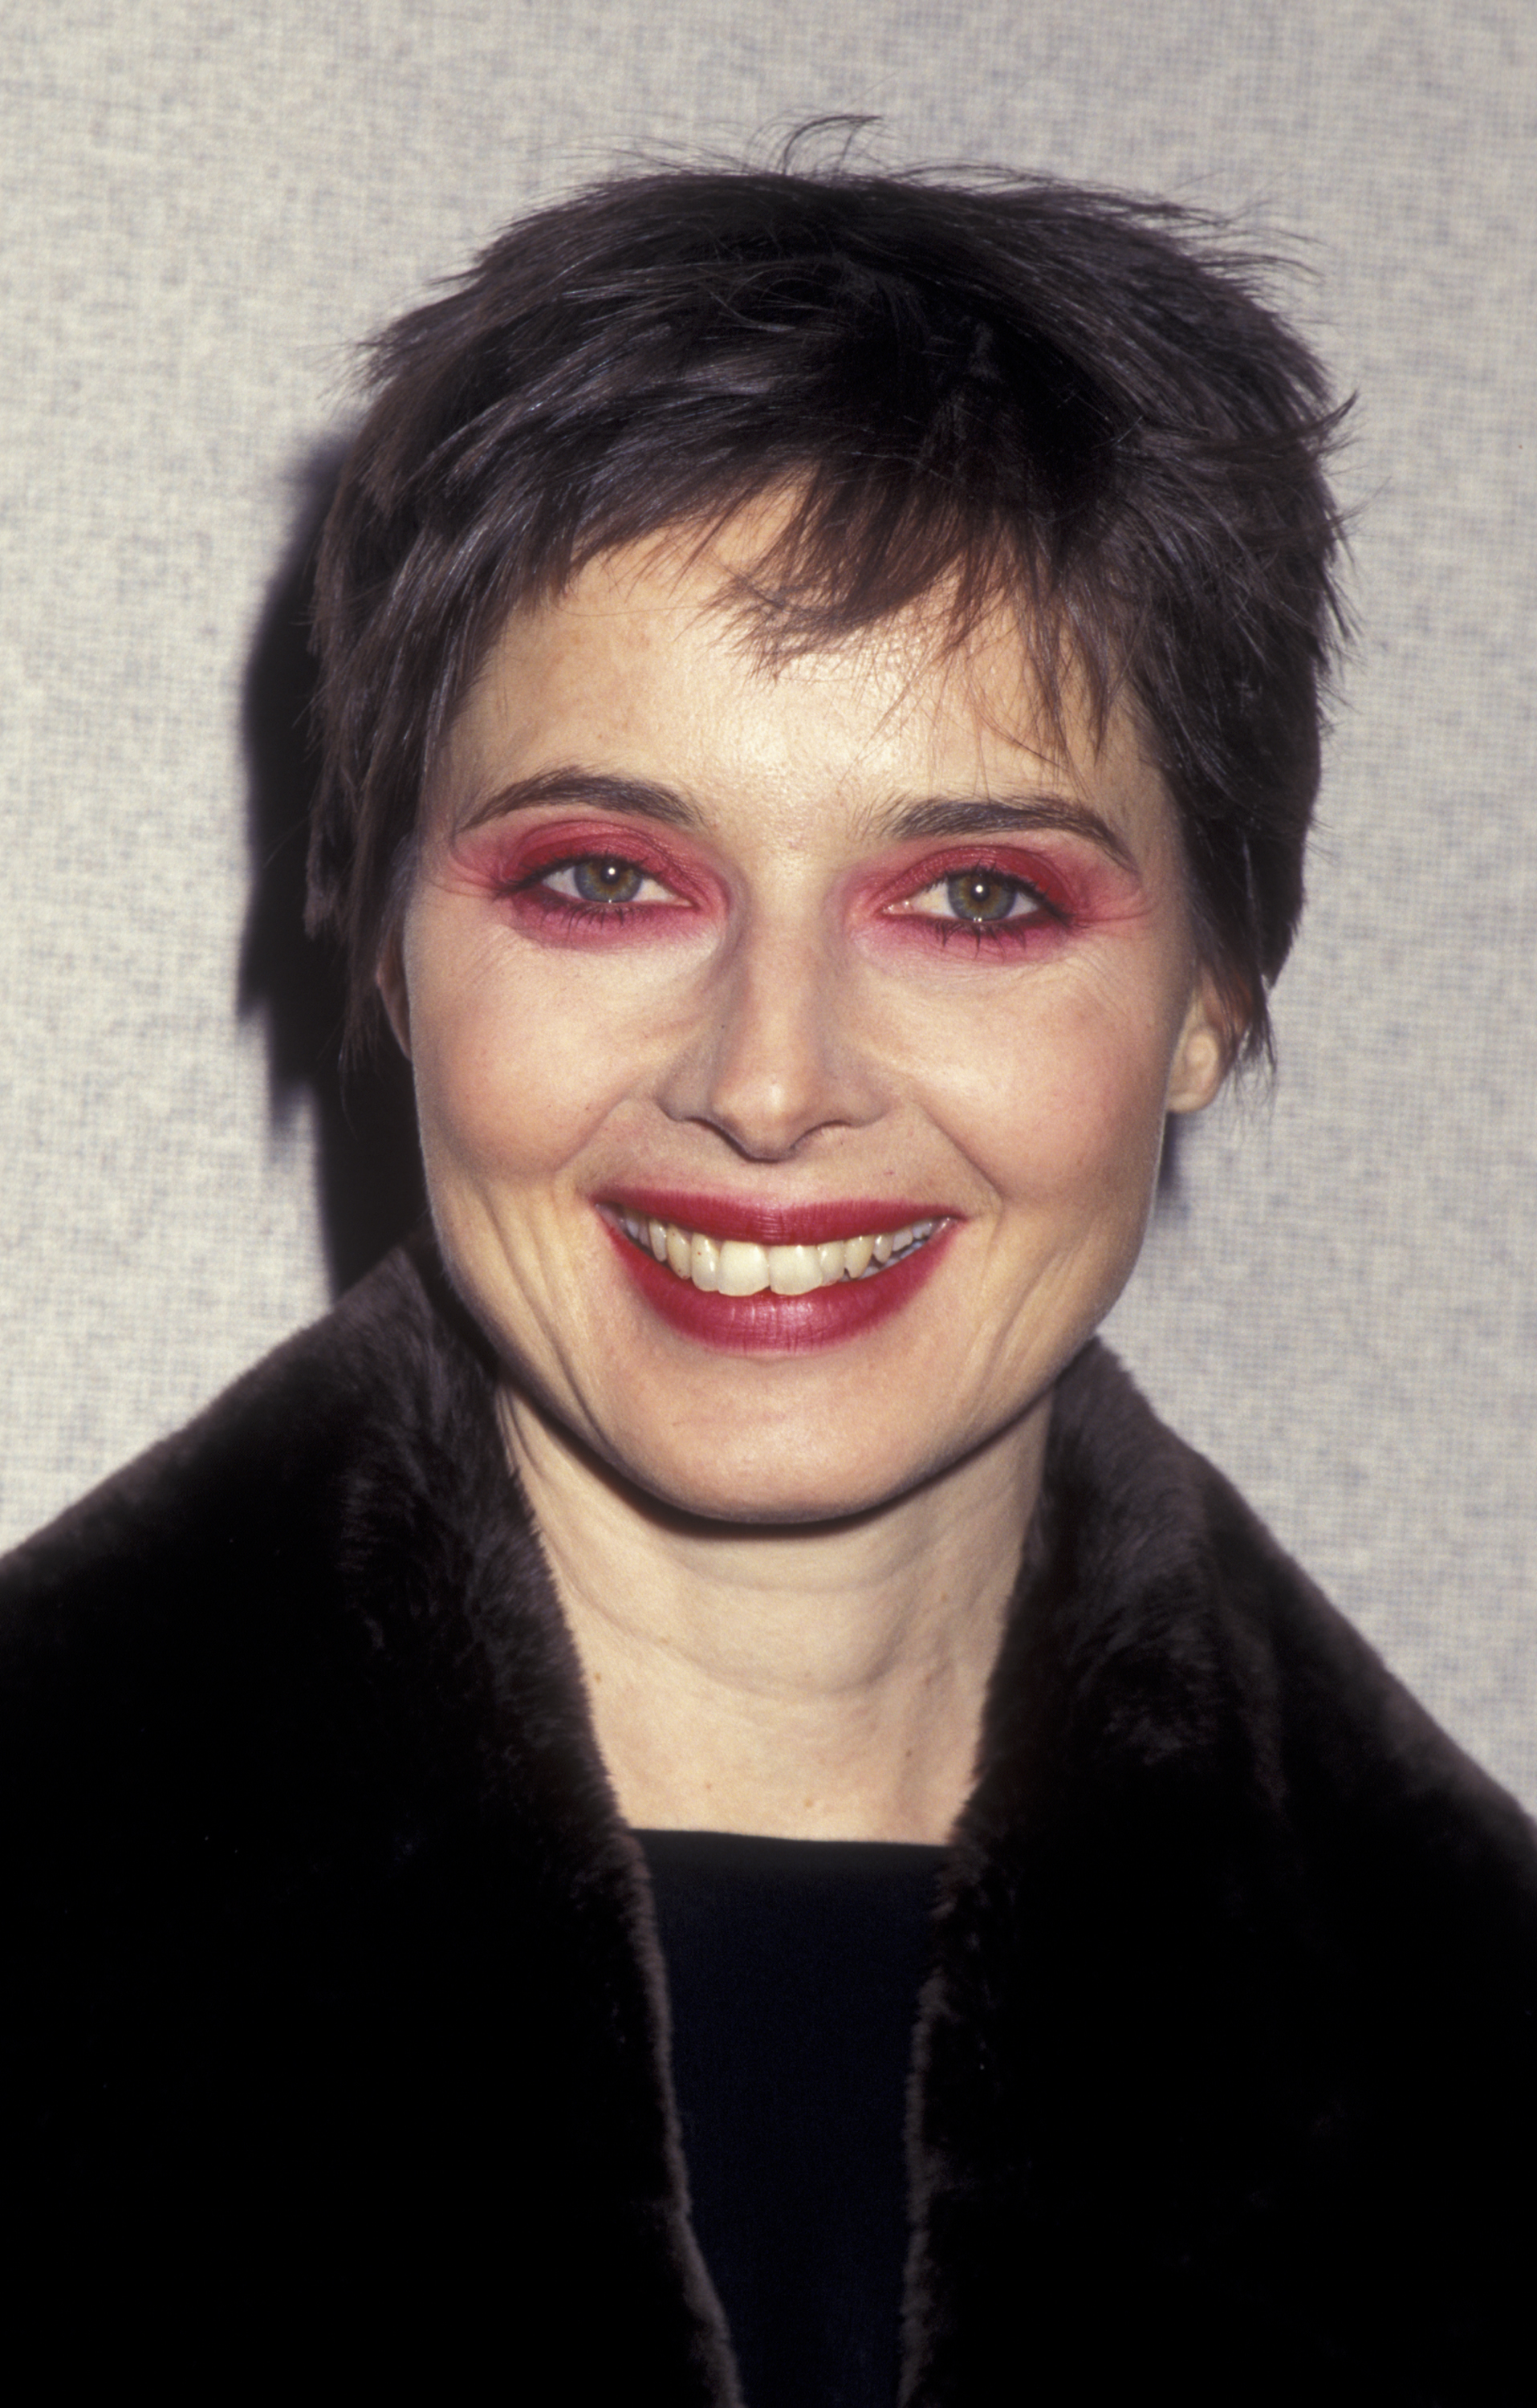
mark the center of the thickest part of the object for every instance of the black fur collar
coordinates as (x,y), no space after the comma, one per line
(1229,2043)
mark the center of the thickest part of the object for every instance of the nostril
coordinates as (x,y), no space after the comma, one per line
(776,1053)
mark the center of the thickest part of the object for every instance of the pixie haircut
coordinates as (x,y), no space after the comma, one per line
(989,393)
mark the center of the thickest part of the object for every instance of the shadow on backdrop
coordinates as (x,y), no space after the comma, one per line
(369,1175)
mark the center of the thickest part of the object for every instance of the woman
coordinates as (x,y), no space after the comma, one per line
(704,1662)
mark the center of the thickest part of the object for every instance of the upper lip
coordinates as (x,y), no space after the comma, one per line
(768,1223)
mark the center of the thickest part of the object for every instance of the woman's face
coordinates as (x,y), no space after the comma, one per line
(749,964)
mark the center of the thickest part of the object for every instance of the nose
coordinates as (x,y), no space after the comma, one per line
(774,1054)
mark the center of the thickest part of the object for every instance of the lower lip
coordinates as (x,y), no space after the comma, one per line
(767,1323)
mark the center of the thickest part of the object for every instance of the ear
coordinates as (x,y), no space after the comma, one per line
(1204,1051)
(390,979)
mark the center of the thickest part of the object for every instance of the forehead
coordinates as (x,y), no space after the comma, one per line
(656,665)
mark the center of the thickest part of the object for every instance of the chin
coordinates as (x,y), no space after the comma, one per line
(746,1488)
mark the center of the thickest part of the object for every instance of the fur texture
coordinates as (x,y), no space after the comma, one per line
(336,2023)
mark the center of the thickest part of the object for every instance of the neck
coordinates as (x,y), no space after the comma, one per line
(805,1682)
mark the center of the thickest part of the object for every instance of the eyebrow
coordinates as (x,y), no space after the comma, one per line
(897,823)
(637,797)
(999,814)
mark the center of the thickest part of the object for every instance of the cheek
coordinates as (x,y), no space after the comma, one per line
(1060,1107)
(514,1065)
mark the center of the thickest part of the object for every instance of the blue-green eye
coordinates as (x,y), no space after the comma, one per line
(982,896)
(601,877)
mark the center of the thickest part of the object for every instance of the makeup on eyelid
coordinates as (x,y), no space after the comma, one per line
(1045,892)
(501,862)
(1054,896)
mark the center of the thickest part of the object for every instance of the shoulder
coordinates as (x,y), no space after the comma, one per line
(355,1367)
(270,1670)
(1162,1586)
(1282,1926)
(263,1467)
(235,1592)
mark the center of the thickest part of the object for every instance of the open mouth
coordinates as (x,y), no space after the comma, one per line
(738,1267)
(776,1277)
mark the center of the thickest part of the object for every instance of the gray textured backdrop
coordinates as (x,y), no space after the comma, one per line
(207,206)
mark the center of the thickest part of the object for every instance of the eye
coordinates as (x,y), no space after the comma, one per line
(601,880)
(980,897)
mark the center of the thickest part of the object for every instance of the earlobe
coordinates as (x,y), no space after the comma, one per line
(1204,1053)
(390,979)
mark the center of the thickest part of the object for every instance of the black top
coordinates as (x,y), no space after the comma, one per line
(793,1968)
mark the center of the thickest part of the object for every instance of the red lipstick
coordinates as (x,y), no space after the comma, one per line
(781,1325)
(774,1225)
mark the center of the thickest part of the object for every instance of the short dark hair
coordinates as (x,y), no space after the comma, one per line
(983,387)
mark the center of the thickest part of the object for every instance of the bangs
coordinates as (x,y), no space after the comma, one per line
(1059,405)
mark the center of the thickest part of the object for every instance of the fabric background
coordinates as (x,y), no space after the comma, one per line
(206,206)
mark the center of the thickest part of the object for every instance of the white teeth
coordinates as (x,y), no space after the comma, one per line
(704,1264)
(738,1267)
(794,1271)
(744,1268)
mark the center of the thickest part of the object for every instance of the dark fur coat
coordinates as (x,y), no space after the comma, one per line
(334,2027)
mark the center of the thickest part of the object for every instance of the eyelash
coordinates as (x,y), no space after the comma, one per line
(532,887)
(577,912)
(1009,933)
